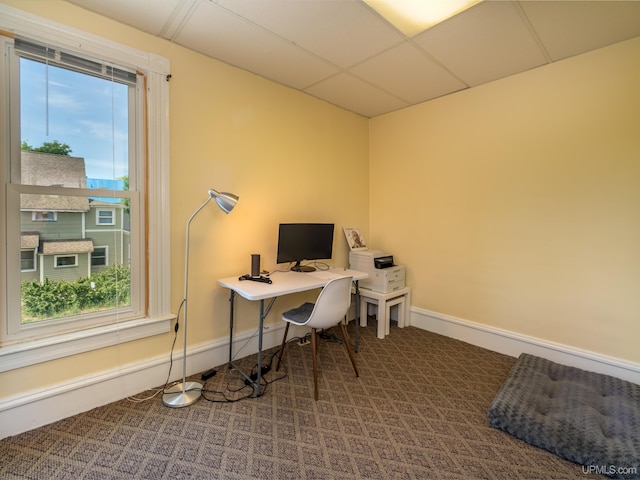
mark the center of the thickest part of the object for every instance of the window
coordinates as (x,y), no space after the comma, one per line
(44,216)
(105,217)
(27,260)
(57,94)
(66,261)
(99,257)
(51,76)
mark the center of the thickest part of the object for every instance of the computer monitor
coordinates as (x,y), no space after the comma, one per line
(304,241)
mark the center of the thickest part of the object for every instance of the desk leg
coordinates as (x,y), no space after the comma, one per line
(231,314)
(255,383)
(357,312)
(259,377)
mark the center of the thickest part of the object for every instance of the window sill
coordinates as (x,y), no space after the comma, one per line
(43,350)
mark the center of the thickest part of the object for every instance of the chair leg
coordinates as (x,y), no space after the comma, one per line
(346,345)
(314,352)
(284,342)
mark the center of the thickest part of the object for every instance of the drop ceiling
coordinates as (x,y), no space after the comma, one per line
(343,52)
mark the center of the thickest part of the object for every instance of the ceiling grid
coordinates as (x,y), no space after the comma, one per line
(345,53)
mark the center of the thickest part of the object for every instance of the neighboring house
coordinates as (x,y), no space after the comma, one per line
(68,237)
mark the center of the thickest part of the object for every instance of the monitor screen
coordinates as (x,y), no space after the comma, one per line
(304,241)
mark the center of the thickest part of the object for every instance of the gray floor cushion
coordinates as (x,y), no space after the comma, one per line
(585,417)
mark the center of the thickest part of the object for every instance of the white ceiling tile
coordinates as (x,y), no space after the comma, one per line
(344,52)
(222,35)
(342,32)
(355,95)
(406,72)
(569,28)
(147,15)
(487,42)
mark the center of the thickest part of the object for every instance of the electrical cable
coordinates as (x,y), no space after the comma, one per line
(251,337)
(321,266)
(136,399)
(173,344)
(329,337)
(263,383)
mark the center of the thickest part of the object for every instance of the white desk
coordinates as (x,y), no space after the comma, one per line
(284,283)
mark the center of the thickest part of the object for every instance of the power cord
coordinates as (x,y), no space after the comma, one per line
(329,337)
(210,373)
(173,344)
(206,392)
(264,383)
(136,399)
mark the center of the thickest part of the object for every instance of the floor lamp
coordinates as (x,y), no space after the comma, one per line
(186,393)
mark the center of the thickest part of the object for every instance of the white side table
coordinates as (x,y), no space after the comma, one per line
(384,301)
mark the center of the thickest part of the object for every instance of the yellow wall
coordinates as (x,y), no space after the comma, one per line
(518,202)
(288,156)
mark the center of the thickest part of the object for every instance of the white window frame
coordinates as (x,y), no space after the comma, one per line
(112,211)
(156,316)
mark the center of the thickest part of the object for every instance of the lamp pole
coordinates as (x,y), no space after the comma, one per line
(185,393)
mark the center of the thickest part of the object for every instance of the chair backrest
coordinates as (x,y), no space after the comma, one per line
(332,303)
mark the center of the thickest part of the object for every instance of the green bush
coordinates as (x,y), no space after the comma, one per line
(47,298)
(108,289)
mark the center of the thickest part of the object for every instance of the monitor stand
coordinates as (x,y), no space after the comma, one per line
(302,268)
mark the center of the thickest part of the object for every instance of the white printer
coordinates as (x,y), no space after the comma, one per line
(384,276)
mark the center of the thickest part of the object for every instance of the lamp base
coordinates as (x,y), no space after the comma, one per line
(177,396)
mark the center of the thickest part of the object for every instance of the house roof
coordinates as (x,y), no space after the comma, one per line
(29,239)
(95,202)
(47,169)
(56,247)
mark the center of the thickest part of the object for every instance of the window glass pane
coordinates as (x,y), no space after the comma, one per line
(66,261)
(105,217)
(99,257)
(84,266)
(27,260)
(74,131)
(79,116)
(44,216)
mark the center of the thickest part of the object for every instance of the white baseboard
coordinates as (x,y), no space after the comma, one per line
(40,407)
(513,344)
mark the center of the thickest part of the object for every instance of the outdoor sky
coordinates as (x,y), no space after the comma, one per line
(87,113)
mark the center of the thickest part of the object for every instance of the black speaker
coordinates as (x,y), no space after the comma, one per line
(255,265)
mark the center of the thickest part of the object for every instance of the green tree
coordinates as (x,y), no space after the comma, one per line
(54,147)
(126,201)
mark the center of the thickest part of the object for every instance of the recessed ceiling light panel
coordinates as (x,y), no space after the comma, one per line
(414,16)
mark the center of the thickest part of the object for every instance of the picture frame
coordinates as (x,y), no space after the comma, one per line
(355,238)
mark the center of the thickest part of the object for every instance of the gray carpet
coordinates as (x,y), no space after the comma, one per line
(418,411)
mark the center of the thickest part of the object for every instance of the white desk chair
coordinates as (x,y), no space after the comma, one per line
(329,310)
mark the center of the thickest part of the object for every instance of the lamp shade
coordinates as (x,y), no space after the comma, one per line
(226,201)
